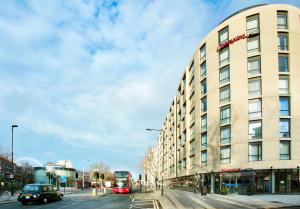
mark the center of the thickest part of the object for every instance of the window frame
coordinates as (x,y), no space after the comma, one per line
(255,114)
(222,32)
(254,93)
(204,162)
(282,26)
(251,18)
(255,135)
(288,110)
(227,59)
(250,39)
(204,143)
(286,67)
(227,79)
(202,49)
(225,160)
(284,134)
(258,157)
(284,47)
(281,155)
(227,139)
(256,71)
(227,119)
(222,90)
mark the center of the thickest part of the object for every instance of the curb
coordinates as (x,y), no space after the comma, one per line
(8,202)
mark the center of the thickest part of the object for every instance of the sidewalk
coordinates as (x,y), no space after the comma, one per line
(175,199)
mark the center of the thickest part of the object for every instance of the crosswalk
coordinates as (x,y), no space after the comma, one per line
(144,204)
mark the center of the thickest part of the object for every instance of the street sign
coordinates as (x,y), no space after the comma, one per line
(63,179)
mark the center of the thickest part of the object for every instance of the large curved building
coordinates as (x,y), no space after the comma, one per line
(234,125)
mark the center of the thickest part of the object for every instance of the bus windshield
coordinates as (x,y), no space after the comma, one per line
(121,182)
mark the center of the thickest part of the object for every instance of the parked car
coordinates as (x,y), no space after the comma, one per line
(39,193)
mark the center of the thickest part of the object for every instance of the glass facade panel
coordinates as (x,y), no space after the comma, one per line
(224,75)
(203,123)
(202,52)
(203,104)
(254,87)
(225,134)
(255,151)
(282,20)
(283,63)
(203,69)
(225,94)
(284,106)
(283,85)
(224,56)
(223,35)
(285,150)
(284,128)
(225,154)
(204,140)
(254,66)
(204,158)
(254,108)
(203,87)
(283,41)
(253,44)
(255,130)
(225,115)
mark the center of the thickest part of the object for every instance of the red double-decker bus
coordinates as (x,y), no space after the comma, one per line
(122,182)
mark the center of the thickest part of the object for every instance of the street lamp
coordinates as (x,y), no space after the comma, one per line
(12,159)
(163,146)
(83,172)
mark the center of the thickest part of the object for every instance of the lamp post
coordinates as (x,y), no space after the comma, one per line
(163,146)
(83,172)
(12,159)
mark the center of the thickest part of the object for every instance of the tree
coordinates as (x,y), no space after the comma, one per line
(4,152)
(101,167)
(27,173)
(150,163)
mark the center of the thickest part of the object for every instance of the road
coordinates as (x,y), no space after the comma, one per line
(84,201)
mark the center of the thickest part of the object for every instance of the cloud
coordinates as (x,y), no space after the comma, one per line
(97,73)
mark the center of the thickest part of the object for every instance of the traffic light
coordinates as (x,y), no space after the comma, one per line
(102,175)
(146,177)
(140,177)
(76,175)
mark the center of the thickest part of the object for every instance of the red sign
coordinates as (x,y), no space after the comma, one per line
(230,170)
(231,41)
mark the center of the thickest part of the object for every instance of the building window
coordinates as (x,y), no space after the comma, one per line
(183,164)
(225,115)
(252,24)
(192,131)
(253,44)
(284,106)
(204,158)
(254,108)
(225,154)
(224,75)
(183,138)
(254,86)
(193,147)
(203,69)
(203,104)
(203,52)
(204,123)
(284,128)
(283,85)
(223,35)
(254,65)
(225,94)
(283,41)
(203,87)
(285,150)
(203,140)
(283,63)
(224,56)
(192,117)
(192,161)
(255,151)
(282,20)
(255,130)
(225,134)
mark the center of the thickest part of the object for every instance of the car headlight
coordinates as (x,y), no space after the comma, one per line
(34,196)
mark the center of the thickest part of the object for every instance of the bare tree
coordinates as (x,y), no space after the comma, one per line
(150,163)
(4,152)
(101,167)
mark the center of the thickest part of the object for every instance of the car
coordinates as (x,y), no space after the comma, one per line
(39,193)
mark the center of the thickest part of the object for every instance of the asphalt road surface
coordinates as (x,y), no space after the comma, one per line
(110,201)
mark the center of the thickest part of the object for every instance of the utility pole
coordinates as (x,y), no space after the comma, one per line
(12,159)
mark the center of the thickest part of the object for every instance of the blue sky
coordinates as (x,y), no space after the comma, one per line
(83,79)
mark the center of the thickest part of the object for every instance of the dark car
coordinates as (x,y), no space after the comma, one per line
(39,193)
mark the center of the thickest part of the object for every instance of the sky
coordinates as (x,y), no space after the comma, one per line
(83,79)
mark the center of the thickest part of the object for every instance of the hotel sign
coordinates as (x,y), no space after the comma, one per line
(231,41)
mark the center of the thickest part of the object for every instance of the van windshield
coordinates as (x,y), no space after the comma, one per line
(31,188)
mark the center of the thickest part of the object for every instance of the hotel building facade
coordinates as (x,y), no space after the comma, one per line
(234,124)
